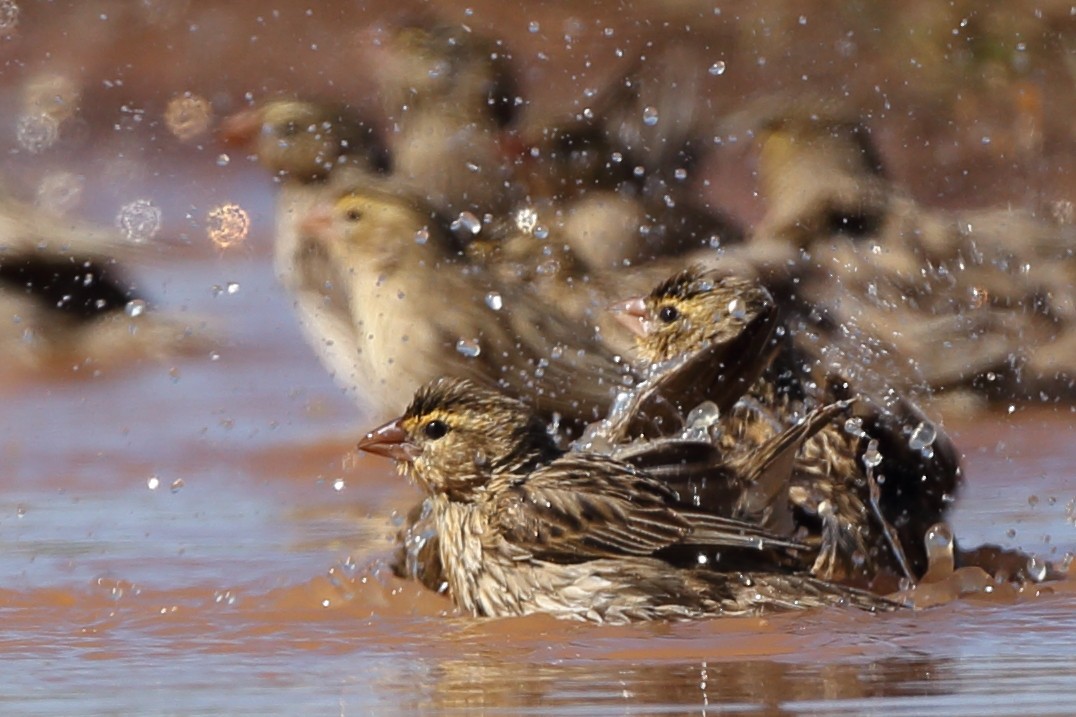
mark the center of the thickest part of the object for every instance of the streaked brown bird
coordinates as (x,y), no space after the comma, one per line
(450,94)
(524,528)
(978,302)
(312,149)
(391,270)
(867,489)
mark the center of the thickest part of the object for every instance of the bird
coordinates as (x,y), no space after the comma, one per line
(397,276)
(67,303)
(312,149)
(450,94)
(525,528)
(616,177)
(867,526)
(978,302)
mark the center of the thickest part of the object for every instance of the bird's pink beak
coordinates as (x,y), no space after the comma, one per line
(633,315)
(390,440)
(241,128)
(317,221)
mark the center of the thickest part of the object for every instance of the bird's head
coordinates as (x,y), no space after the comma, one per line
(691,309)
(456,435)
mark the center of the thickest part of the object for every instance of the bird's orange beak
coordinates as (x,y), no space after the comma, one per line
(633,315)
(390,440)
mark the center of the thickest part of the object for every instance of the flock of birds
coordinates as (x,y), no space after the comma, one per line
(628,407)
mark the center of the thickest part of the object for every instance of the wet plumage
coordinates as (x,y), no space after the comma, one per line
(978,302)
(450,94)
(393,272)
(524,527)
(831,487)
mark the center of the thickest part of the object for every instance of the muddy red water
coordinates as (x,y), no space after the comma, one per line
(197,536)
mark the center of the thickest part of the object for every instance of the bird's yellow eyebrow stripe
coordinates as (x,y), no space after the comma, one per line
(437,414)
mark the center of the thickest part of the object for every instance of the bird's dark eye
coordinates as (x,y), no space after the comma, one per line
(353,215)
(435,429)
(668,314)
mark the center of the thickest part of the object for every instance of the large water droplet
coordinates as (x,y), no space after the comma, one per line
(527,219)
(188,116)
(135,307)
(718,68)
(139,221)
(872,457)
(37,132)
(469,347)
(922,436)
(1036,568)
(704,415)
(854,427)
(738,309)
(227,225)
(650,116)
(467,222)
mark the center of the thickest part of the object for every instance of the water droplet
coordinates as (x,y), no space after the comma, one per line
(534,26)
(718,68)
(872,457)
(922,436)
(738,309)
(527,219)
(1036,568)
(650,116)
(494,301)
(422,235)
(339,484)
(468,222)
(177,485)
(680,174)
(227,225)
(854,427)
(153,482)
(223,160)
(135,307)
(469,347)
(139,221)
(188,116)
(704,415)
(37,132)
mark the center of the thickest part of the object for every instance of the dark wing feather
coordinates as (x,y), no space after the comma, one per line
(581,507)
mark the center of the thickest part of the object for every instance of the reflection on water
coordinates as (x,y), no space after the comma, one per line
(258,585)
